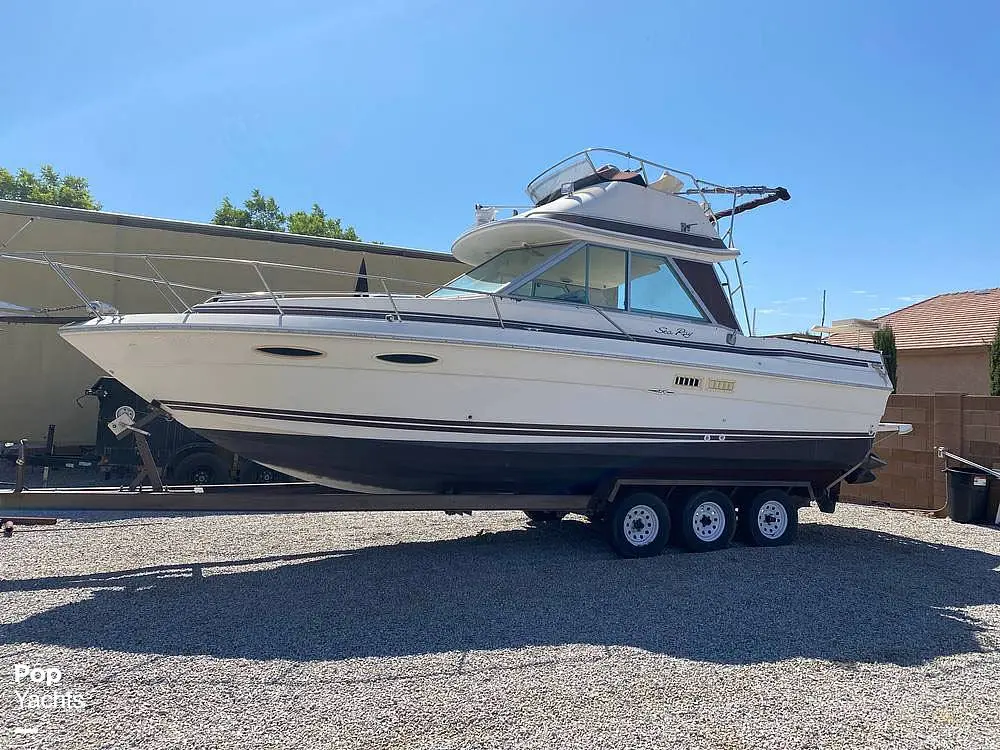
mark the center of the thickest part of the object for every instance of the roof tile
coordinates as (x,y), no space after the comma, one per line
(952,319)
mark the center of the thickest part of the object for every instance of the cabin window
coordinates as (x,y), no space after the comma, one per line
(591,275)
(565,281)
(655,288)
(606,277)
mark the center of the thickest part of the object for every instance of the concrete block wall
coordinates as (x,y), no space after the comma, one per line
(966,425)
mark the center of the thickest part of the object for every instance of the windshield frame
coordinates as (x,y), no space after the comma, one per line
(508,290)
(454,289)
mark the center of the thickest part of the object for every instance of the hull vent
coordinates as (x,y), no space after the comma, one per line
(687,381)
(725,386)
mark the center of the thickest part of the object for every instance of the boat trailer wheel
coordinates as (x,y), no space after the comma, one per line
(772,519)
(708,521)
(640,525)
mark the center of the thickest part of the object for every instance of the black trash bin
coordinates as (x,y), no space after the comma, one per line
(967,492)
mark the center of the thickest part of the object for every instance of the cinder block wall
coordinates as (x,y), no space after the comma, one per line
(966,425)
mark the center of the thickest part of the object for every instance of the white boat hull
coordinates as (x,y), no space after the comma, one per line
(494,413)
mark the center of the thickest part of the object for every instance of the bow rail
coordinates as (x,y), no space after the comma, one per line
(169,289)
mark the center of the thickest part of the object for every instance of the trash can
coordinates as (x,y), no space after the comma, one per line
(967,492)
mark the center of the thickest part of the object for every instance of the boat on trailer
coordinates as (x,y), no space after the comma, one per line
(593,344)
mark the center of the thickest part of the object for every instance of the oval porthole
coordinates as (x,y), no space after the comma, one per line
(288,351)
(407,359)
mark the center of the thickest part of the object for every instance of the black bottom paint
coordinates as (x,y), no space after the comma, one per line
(565,468)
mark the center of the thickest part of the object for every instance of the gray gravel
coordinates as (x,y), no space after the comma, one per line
(876,630)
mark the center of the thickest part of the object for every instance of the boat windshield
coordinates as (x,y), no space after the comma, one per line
(498,271)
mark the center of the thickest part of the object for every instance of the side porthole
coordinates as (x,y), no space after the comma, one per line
(407,359)
(288,351)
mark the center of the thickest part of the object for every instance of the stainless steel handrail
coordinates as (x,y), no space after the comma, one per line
(256,267)
(100,271)
(40,257)
(160,276)
(68,280)
(628,155)
(160,279)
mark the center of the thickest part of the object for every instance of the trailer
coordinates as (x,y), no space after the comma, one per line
(638,518)
(640,515)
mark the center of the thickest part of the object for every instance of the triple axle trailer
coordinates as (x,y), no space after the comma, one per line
(640,516)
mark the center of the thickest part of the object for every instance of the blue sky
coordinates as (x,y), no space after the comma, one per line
(882,119)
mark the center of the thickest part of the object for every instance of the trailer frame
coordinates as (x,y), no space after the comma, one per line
(613,504)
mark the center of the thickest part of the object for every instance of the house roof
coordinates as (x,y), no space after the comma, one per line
(947,320)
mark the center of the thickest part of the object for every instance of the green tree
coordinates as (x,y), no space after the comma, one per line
(258,212)
(884,341)
(317,224)
(994,347)
(262,212)
(48,186)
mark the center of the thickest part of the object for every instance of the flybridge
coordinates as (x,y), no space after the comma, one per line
(603,194)
(580,170)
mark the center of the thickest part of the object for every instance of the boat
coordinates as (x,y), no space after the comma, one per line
(593,338)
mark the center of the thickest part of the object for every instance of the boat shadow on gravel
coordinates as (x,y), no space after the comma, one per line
(841,594)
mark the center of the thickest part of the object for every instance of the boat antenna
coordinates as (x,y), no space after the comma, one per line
(822,321)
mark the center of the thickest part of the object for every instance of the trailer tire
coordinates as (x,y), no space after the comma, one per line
(257,474)
(639,525)
(707,521)
(770,519)
(202,467)
(539,517)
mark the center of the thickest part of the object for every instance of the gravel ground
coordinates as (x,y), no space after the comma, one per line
(876,630)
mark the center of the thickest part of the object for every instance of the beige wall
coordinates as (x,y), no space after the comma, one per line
(955,370)
(968,426)
(41,376)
